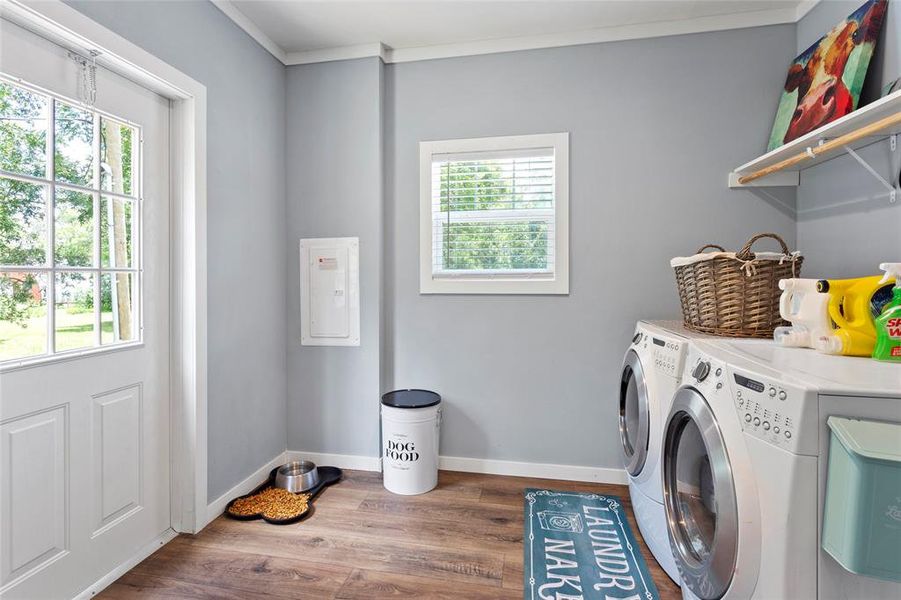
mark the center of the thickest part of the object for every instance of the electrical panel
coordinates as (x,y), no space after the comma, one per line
(330,291)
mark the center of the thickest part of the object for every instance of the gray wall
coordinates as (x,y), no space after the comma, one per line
(334,152)
(846,225)
(246,220)
(655,127)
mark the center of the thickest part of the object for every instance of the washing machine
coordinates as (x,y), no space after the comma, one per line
(651,370)
(744,456)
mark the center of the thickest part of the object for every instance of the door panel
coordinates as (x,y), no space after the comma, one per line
(85,439)
(34,506)
(118,440)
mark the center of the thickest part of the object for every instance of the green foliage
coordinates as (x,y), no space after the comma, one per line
(474,186)
(24,222)
(23,218)
(22,235)
(22,150)
(73,160)
(495,246)
(22,206)
(74,222)
(16,301)
(22,131)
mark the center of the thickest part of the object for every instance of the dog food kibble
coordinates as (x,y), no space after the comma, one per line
(273,503)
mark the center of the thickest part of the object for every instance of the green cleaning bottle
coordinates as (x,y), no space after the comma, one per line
(888,324)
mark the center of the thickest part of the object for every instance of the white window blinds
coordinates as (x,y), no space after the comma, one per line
(494,215)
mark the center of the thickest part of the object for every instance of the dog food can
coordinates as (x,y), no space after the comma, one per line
(411,420)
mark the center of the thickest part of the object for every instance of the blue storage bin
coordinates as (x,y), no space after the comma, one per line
(862,516)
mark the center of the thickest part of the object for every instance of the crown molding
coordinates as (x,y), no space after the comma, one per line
(805,7)
(595,36)
(554,40)
(340,53)
(250,28)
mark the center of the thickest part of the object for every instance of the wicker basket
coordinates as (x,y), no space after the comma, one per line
(736,294)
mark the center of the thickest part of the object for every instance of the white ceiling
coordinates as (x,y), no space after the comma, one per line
(299,31)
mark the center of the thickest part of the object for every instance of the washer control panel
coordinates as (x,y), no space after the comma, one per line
(669,354)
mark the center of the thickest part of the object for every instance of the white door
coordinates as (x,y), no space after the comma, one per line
(84,319)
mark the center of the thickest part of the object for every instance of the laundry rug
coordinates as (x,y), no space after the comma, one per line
(580,546)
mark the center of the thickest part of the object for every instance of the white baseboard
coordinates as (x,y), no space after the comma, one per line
(535,470)
(105,581)
(476,465)
(217,506)
(342,461)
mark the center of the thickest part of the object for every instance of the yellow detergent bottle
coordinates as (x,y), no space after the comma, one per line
(853,306)
(888,324)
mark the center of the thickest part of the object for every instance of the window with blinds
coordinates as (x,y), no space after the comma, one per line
(494,215)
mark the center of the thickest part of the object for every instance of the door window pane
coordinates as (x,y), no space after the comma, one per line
(116,226)
(74,158)
(23,131)
(23,223)
(117,308)
(116,157)
(69,229)
(74,311)
(23,315)
(74,225)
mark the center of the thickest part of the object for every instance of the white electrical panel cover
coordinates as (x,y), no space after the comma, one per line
(330,291)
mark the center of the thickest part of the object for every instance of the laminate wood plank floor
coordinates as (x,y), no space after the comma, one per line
(462,540)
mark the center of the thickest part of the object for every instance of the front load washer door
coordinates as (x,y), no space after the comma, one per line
(699,497)
(634,414)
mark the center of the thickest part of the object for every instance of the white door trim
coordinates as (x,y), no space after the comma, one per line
(67,27)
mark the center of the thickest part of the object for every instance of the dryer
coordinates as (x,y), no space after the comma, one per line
(744,460)
(858,388)
(651,370)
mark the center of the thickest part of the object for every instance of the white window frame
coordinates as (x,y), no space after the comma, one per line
(51,186)
(473,282)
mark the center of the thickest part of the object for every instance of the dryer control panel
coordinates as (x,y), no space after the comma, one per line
(668,352)
(774,411)
(767,406)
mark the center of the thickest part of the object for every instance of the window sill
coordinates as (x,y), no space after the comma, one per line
(495,285)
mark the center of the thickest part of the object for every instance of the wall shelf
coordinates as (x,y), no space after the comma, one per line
(876,121)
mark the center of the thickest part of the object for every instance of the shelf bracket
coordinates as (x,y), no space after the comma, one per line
(891,187)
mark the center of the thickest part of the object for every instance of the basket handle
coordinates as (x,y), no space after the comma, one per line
(746,254)
(705,246)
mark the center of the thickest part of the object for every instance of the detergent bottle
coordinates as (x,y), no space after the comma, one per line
(888,324)
(806,309)
(853,306)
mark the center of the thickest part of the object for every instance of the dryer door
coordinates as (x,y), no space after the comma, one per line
(634,414)
(699,496)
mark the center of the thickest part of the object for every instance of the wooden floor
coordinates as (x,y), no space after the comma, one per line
(462,540)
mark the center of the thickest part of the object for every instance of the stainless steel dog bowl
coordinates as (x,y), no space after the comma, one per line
(297,476)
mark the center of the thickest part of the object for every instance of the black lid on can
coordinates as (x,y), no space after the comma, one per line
(410,399)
